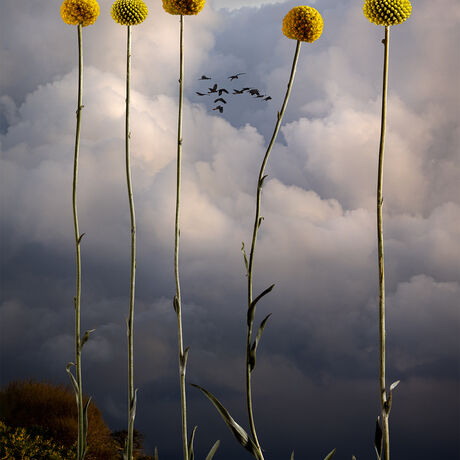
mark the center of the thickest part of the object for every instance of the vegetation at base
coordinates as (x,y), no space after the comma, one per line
(39,421)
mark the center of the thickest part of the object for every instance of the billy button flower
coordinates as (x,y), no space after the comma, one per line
(303,23)
(183,7)
(384,13)
(130,13)
(76,12)
(80,13)
(387,12)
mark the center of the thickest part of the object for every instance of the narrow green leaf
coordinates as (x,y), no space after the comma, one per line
(330,454)
(252,352)
(191,454)
(183,360)
(176,304)
(85,429)
(239,433)
(86,337)
(261,183)
(252,307)
(246,264)
(213,450)
(132,409)
(394,385)
(73,380)
(259,223)
(378,439)
(81,236)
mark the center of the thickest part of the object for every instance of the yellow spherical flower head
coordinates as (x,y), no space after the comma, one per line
(303,23)
(387,12)
(129,12)
(76,12)
(183,7)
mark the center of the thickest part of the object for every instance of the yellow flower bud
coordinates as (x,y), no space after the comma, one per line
(129,12)
(183,7)
(303,23)
(387,12)
(76,12)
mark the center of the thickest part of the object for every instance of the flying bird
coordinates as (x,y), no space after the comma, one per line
(200,94)
(245,89)
(213,89)
(220,99)
(233,77)
(238,91)
(204,77)
(260,95)
(268,98)
(222,90)
(254,92)
(219,108)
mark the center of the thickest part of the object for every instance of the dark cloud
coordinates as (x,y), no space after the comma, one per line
(315,385)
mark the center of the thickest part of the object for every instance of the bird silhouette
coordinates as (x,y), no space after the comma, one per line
(254,92)
(200,94)
(222,90)
(219,108)
(220,99)
(238,91)
(233,77)
(268,98)
(260,95)
(204,77)
(213,89)
(245,89)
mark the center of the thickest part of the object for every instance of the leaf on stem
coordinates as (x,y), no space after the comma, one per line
(292,455)
(85,429)
(378,439)
(191,454)
(213,450)
(252,352)
(394,385)
(261,182)
(252,306)
(183,360)
(239,433)
(259,223)
(246,264)
(80,238)
(73,380)
(132,409)
(86,337)
(176,304)
(330,455)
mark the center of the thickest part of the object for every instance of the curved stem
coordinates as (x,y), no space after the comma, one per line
(253,244)
(77,299)
(383,397)
(131,395)
(177,300)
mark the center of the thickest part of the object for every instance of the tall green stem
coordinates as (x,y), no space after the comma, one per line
(131,393)
(77,299)
(253,247)
(177,298)
(383,397)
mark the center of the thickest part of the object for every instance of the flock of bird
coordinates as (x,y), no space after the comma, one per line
(215,90)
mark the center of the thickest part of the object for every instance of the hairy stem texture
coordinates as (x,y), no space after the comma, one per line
(178,300)
(383,397)
(77,299)
(253,247)
(131,406)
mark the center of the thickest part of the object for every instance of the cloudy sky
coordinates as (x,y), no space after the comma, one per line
(316,380)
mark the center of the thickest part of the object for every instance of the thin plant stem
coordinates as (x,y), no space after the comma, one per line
(257,222)
(177,299)
(131,393)
(383,397)
(77,298)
